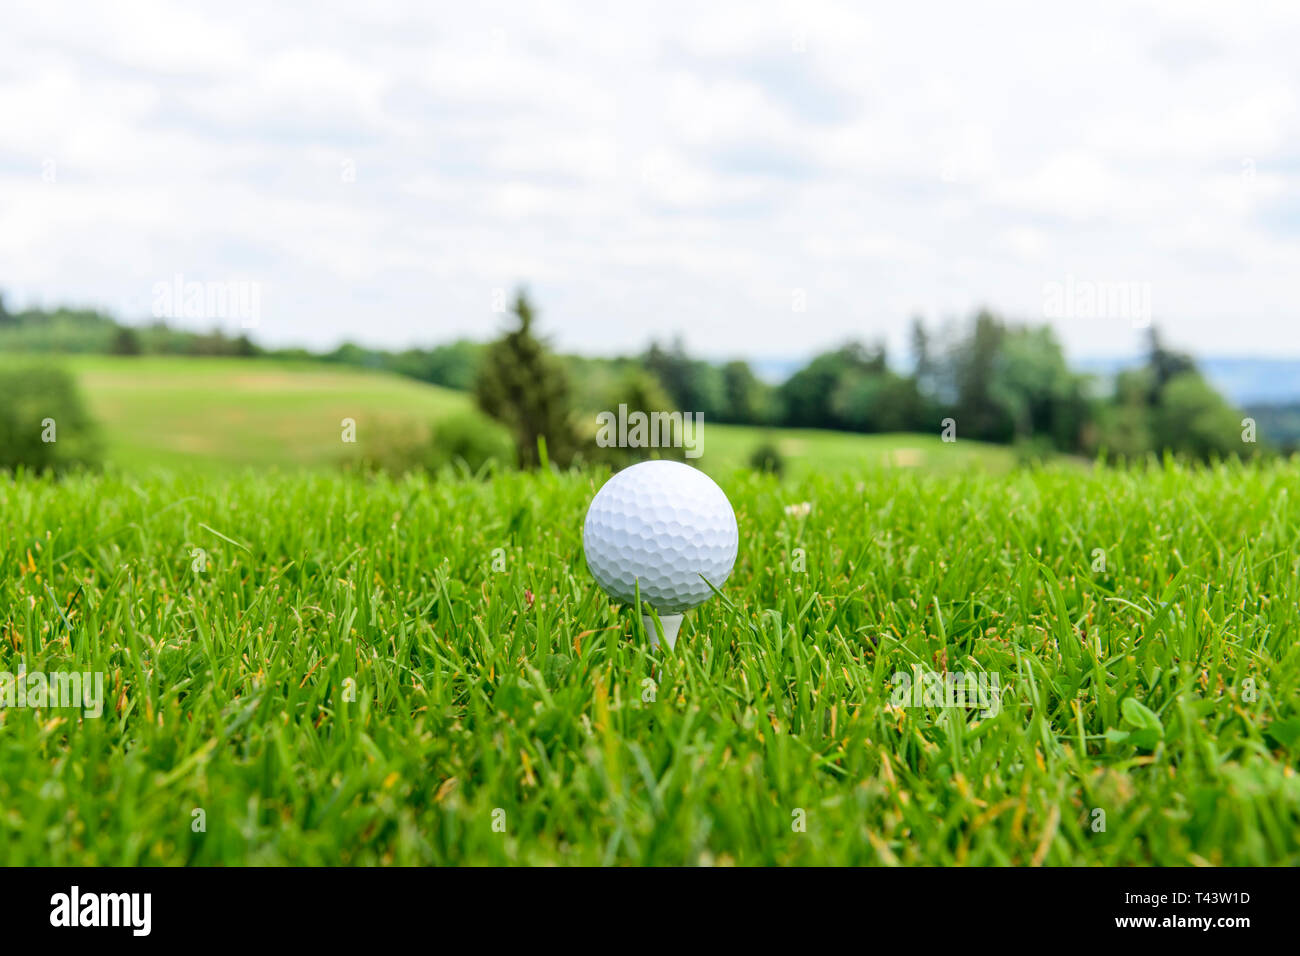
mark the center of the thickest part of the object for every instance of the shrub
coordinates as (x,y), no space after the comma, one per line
(44,424)
(472,438)
(642,393)
(767,457)
(396,447)
(1032,451)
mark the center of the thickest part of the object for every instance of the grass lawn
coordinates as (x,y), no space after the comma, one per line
(422,671)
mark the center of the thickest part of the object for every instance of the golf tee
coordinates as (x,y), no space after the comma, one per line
(671,623)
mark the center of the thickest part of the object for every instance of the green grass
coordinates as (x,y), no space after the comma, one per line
(1161,691)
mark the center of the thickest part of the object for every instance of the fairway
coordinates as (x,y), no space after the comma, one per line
(810,451)
(224,413)
(323,669)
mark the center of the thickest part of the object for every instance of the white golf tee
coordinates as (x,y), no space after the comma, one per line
(672,623)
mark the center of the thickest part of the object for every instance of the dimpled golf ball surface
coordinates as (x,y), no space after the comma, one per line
(663,524)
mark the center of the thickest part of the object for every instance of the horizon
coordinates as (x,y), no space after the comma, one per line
(234,329)
(1249,380)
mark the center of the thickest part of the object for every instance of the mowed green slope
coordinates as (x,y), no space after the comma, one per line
(219,413)
(422,671)
(812,451)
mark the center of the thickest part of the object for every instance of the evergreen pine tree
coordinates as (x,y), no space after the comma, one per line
(524,387)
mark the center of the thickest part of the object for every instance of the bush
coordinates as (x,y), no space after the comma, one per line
(44,424)
(472,438)
(1032,451)
(642,393)
(401,447)
(393,447)
(768,458)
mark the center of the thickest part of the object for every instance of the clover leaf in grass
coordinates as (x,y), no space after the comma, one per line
(1143,727)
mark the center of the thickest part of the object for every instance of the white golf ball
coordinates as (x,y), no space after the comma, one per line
(665,525)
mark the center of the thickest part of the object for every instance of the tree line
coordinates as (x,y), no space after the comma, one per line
(91,331)
(986,379)
(996,380)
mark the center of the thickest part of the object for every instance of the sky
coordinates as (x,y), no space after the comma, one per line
(764,179)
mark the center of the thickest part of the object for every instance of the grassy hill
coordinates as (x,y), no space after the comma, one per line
(810,450)
(223,413)
(227,412)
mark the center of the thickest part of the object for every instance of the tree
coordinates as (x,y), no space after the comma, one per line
(974,369)
(1164,363)
(1123,431)
(640,391)
(808,394)
(453,365)
(1035,386)
(1166,404)
(923,369)
(744,395)
(523,386)
(695,386)
(879,402)
(1194,419)
(349,353)
(125,342)
(672,367)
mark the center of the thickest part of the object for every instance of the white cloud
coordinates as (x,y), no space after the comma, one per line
(659,168)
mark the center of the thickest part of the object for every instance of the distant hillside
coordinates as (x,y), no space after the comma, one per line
(63,330)
(1279,424)
(1256,381)
(85,331)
